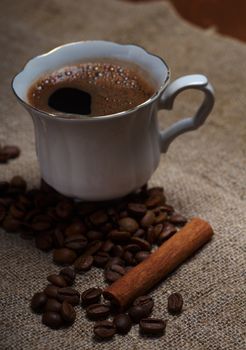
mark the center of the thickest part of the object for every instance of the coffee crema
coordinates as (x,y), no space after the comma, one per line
(92,89)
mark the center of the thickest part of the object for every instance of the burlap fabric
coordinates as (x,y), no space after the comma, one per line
(203,174)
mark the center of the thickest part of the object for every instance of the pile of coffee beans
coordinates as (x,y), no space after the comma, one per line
(114,236)
(8,152)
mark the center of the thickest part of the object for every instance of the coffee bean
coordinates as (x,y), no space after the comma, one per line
(3,158)
(83,263)
(160,217)
(133,248)
(105,228)
(52,305)
(117,251)
(115,261)
(64,256)
(2,212)
(51,291)
(177,219)
(77,228)
(67,312)
(128,257)
(52,319)
(175,303)
(68,274)
(145,301)
(114,272)
(128,224)
(16,212)
(139,233)
(44,241)
(155,191)
(104,329)
(141,256)
(40,226)
(152,326)
(92,248)
(98,311)
(91,296)
(4,186)
(11,152)
(138,312)
(69,294)
(100,259)
(75,242)
(38,302)
(57,280)
(94,235)
(99,217)
(148,219)
(107,246)
(58,238)
(167,208)
(122,323)
(151,235)
(64,209)
(137,209)
(155,200)
(10,224)
(167,231)
(119,236)
(142,243)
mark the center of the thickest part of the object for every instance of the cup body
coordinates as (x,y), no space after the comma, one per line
(103,157)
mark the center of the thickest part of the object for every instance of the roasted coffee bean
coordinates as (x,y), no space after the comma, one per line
(58,238)
(148,219)
(160,217)
(77,228)
(64,209)
(67,312)
(167,231)
(128,224)
(152,326)
(137,209)
(117,251)
(119,236)
(92,248)
(38,302)
(141,256)
(155,200)
(99,217)
(69,294)
(52,319)
(10,224)
(64,256)
(138,312)
(3,158)
(123,214)
(175,303)
(145,301)
(44,241)
(51,291)
(40,226)
(75,242)
(115,261)
(158,229)
(57,280)
(151,235)
(128,257)
(52,305)
(18,182)
(16,212)
(105,228)
(155,191)
(167,208)
(4,186)
(114,272)
(11,152)
(100,259)
(107,246)
(139,233)
(91,296)
(83,263)
(142,243)
(133,248)
(104,329)
(177,219)
(122,323)
(94,235)
(98,311)
(68,274)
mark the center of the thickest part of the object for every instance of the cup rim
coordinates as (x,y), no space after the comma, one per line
(73,116)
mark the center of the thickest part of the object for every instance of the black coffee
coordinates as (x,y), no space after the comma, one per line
(93,89)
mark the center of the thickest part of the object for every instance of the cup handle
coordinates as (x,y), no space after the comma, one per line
(194,81)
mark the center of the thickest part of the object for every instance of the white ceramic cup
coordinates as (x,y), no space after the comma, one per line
(106,157)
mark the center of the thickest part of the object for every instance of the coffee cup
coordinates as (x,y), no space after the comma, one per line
(106,157)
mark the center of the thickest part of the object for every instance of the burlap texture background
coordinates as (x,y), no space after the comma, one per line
(203,174)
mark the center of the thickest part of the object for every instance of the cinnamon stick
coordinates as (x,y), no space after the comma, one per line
(160,263)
